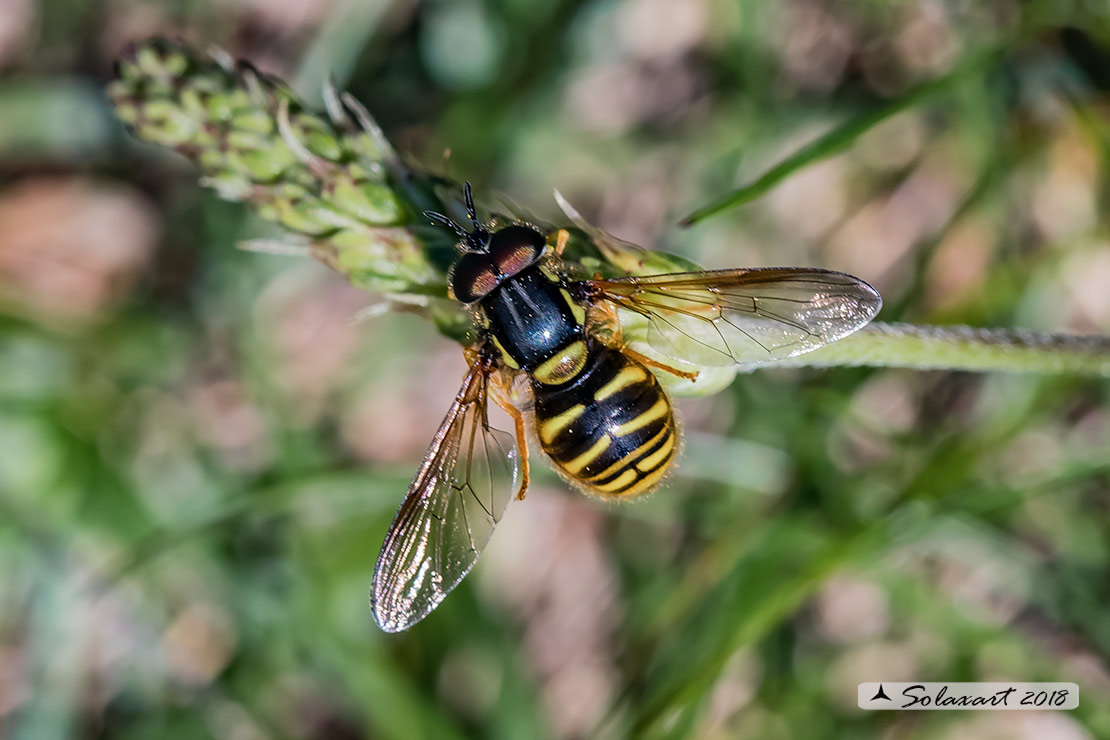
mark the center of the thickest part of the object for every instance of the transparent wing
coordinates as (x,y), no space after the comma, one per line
(457,498)
(744,317)
(629,258)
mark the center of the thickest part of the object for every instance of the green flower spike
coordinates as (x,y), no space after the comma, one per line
(335,181)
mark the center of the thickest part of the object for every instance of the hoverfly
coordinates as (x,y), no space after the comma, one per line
(596,407)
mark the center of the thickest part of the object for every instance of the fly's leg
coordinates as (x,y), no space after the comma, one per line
(603,319)
(644,359)
(500,396)
(562,236)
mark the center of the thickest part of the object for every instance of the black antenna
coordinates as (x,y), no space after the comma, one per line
(476,240)
(470,209)
(446,221)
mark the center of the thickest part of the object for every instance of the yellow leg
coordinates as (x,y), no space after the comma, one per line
(603,318)
(521,438)
(659,365)
(562,236)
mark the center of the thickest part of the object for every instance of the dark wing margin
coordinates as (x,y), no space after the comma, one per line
(452,506)
(744,317)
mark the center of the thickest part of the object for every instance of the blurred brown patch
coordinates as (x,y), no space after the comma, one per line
(636,212)
(660,29)
(1085,278)
(17,21)
(70,249)
(894,143)
(813,201)
(133,20)
(1064,198)
(815,47)
(286,16)
(960,264)
(229,421)
(393,421)
(305,315)
(733,692)
(14,684)
(876,240)
(852,609)
(926,43)
(199,643)
(614,97)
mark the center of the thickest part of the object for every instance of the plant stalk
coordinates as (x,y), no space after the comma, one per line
(919,347)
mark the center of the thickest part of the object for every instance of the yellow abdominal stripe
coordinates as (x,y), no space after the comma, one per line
(629,375)
(574,467)
(658,411)
(656,458)
(622,480)
(629,483)
(630,458)
(554,426)
(563,365)
(647,482)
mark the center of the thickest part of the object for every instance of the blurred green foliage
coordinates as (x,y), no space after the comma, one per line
(199,454)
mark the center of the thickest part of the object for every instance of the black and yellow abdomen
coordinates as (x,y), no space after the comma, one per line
(601,416)
(611,428)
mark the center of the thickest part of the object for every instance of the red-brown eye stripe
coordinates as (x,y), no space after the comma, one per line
(483,281)
(515,248)
(513,261)
(473,277)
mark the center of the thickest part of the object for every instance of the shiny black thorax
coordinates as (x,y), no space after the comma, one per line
(530,317)
(527,311)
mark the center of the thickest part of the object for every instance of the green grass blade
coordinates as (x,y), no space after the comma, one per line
(840,138)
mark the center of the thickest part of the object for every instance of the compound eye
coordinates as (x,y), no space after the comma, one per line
(474,277)
(514,248)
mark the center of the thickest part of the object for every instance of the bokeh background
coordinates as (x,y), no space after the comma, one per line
(200,451)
